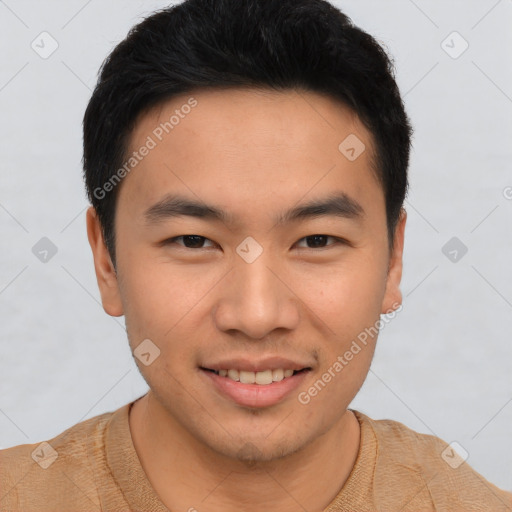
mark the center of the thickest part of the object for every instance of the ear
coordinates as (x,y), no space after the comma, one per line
(105,272)
(393,295)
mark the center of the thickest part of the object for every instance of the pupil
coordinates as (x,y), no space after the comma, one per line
(318,240)
(197,241)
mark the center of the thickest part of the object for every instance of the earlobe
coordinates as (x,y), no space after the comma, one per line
(105,272)
(393,294)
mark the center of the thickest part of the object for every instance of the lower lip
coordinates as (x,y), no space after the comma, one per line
(256,395)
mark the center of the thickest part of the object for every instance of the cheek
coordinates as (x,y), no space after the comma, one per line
(161,304)
(159,297)
(345,297)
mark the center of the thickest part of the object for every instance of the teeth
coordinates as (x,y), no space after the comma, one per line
(277,375)
(233,375)
(247,377)
(263,378)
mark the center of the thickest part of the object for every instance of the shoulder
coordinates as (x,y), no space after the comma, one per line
(430,469)
(47,473)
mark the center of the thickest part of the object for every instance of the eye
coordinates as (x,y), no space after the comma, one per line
(189,241)
(319,241)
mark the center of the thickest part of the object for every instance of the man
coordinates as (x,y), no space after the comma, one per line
(246,161)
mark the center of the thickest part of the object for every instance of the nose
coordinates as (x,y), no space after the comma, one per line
(256,299)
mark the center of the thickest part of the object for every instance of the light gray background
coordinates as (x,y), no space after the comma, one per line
(442,366)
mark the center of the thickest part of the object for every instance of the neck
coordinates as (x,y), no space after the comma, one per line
(188,475)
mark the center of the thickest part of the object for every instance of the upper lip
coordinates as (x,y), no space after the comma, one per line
(268,363)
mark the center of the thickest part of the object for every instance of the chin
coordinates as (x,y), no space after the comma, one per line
(253,452)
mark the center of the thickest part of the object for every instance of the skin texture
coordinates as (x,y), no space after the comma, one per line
(254,154)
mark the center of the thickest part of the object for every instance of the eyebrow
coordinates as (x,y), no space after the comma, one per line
(338,204)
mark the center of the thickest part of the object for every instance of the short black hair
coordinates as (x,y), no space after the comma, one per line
(307,45)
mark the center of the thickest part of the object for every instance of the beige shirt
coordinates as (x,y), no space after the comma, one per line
(94,466)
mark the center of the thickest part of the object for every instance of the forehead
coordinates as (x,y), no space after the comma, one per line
(240,145)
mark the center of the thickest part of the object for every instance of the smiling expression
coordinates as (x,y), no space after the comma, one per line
(250,248)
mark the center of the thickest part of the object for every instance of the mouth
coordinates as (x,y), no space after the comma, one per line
(261,378)
(254,389)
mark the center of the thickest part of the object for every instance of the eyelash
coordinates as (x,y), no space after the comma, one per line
(337,241)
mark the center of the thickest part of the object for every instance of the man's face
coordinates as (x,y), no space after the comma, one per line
(256,289)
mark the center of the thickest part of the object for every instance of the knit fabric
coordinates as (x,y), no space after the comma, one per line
(93,466)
